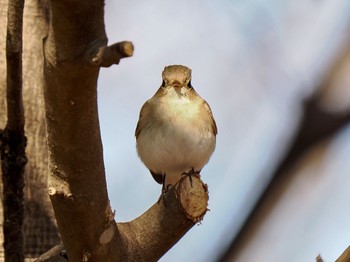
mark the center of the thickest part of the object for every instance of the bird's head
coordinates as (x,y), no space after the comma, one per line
(176,76)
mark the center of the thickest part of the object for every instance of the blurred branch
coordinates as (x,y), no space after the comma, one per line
(317,124)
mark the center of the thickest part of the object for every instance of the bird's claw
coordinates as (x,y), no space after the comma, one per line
(165,189)
(190,174)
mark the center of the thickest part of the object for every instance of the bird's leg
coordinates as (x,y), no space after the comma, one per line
(165,189)
(190,174)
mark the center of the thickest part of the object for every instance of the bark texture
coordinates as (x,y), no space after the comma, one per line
(74,50)
(12,138)
(40,232)
(77,185)
(74,53)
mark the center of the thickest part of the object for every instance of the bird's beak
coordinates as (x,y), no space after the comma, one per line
(176,84)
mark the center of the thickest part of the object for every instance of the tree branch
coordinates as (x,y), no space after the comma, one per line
(345,256)
(55,254)
(12,139)
(109,55)
(152,234)
(77,185)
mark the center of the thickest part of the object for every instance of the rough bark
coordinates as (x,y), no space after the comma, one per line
(40,230)
(77,185)
(73,54)
(12,138)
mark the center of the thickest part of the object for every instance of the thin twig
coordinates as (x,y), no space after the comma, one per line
(57,253)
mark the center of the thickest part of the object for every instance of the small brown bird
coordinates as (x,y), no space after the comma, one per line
(176,131)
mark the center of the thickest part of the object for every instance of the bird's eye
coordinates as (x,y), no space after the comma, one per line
(163,83)
(189,85)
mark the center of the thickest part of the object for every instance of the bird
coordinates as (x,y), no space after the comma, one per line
(176,131)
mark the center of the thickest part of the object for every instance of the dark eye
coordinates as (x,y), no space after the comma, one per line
(163,83)
(189,85)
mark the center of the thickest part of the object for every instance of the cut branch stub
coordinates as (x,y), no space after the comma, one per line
(110,55)
(193,198)
(153,233)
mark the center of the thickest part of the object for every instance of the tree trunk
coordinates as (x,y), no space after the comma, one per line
(40,232)
(74,50)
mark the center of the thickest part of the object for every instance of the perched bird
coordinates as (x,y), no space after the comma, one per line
(176,131)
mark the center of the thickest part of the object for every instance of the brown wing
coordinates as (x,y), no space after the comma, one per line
(214,127)
(143,111)
(157,177)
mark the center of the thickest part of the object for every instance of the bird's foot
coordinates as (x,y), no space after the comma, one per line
(190,174)
(165,189)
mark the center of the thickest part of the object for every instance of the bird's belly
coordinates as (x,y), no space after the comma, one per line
(175,148)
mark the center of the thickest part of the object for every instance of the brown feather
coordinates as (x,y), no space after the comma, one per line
(157,177)
(214,127)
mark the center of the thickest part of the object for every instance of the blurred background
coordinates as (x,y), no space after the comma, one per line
(277,77)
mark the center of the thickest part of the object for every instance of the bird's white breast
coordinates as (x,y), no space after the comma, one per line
(177,137)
